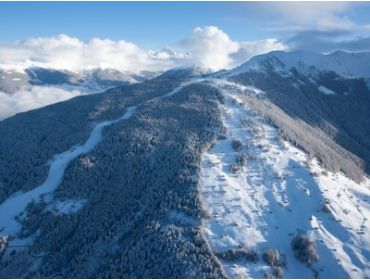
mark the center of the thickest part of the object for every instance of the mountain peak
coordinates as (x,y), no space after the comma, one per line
(185,72)
(344,63)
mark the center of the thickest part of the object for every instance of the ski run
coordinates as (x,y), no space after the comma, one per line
(16,204)
(260,192)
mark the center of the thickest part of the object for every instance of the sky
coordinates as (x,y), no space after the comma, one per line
(149,24)
(136,36)
(157,36)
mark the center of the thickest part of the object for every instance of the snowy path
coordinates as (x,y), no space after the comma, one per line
(17,203)
(265,202)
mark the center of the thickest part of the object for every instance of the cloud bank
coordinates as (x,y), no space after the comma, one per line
(33,98)
(68,53)
(212,48)
(208,47)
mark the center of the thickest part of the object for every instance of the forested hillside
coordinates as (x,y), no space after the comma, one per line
(28,140)
(258,171)
(141,212)
(323,103)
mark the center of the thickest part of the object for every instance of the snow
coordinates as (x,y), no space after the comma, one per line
(345,64)
(326,90)
(275,196)
(66,207)
(16,204)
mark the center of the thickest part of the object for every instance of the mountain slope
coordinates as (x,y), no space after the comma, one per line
(55,128)
(342,115)
(140,180)
(261,192)
(257,172)
(353,65)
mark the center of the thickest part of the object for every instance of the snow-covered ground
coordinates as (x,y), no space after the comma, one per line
(17,203)
(326,90)
(266,201)
(345,64)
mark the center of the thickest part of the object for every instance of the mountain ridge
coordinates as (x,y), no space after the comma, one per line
(92,80)
(354,65)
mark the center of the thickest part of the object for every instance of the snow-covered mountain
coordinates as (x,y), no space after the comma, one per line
(260,171)
(346,64)
(262,195)
(185,72)
(88,80)
(25,89)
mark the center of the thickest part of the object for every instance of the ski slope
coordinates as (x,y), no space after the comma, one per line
(17,203)
(275,195)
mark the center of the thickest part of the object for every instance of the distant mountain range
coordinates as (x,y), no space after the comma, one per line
(90,80)
(353,65)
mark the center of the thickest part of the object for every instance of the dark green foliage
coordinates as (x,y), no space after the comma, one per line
(3,245)
(28,140)
(304,249)
(239,254)
(274,257)
(242,159)
(141,219)
(277,272)
(237,145)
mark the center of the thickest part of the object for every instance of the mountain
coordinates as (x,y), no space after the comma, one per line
(12,81)
(151,201)
(352,65)
(260,171)
(324,91)
(93,80)
(185,72)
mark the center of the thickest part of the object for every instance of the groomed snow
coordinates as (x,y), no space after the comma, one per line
(274,196)
(66,207)
(17,203)
(326,90)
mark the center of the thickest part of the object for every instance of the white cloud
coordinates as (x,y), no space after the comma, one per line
(301,16)
(35,97)
(64,52)
(252,48)
(320,14)
(208,47)
(212,48)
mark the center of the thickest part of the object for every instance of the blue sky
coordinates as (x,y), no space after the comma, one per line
(146,23)
(159,35)
(156,24)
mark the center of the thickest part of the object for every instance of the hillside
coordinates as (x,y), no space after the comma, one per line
(260,171)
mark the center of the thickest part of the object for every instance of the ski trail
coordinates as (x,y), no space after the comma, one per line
(16,204)
(265,202)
